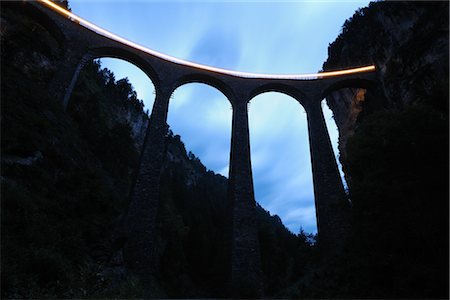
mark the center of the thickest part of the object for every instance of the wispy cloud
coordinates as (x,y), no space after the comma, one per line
(219,48)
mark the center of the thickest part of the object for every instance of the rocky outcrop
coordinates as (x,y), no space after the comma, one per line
(408,43)
(176,154)
(137,121)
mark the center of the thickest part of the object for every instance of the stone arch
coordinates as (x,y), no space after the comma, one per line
(110,52)
(129,56)
(282,88)
(41,17)
(344,114)
(348,83)
(206,79)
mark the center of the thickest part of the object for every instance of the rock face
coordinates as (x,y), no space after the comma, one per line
(347,105)
(138,123)
(408,43)
(394,151)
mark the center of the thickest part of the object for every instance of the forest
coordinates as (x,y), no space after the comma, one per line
(65,193)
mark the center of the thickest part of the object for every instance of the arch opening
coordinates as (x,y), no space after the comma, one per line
(140,81)
(362,83)
(117,90)
(201,115)
(109,124)
(281,162)
(280,88)
(207,80)
(42,19)
(127,55)
(193,181)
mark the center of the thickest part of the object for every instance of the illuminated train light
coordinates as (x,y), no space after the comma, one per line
(163,56)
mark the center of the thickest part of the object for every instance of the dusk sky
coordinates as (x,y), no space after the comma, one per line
(252,36)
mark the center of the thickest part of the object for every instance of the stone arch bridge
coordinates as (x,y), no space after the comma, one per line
(82,41)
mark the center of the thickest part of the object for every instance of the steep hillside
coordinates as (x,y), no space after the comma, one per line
(61,186)
(65,182)
(194,230)
(394,149)
(408,43)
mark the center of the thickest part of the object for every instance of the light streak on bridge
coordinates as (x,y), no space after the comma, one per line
(166,57)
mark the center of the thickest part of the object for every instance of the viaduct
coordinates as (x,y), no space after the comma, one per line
(82,41)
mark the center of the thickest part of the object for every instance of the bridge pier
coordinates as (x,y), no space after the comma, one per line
(246,273)
(66,76)
(139,250)
(330,199)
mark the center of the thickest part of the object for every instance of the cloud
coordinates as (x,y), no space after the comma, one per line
(304,216)
(218,48)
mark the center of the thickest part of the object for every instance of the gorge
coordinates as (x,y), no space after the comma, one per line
(64,192)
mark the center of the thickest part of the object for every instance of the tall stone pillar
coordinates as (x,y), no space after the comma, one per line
(66,76)
(246,273)
(330,199)
(139,250)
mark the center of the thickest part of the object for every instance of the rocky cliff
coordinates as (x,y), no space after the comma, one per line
(394,149)
(408,43)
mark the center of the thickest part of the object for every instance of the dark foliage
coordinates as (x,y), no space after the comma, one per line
(62,3)
(399,163)
(399,244)
(397,158)
(65,182)
(194,232)
(61,186)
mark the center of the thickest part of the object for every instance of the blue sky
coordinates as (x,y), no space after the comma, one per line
(251,36)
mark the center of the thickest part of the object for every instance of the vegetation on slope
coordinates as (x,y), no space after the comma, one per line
(399,163)
(65,183)
(60,190)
